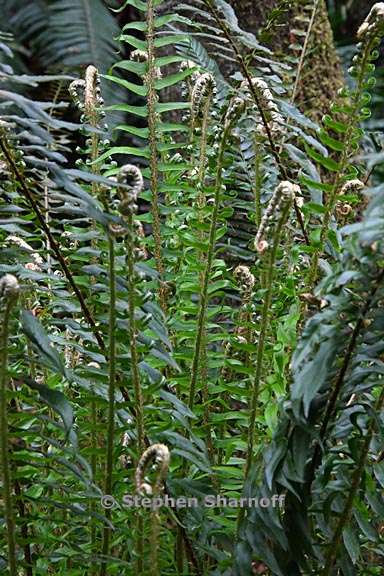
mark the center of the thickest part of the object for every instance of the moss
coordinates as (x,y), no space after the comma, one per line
(322,73)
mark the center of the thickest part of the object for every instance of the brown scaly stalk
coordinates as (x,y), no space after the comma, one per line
(24,188)
(86,94)
(243,334)
(246,282)
(160,454)
(203,153)
(150,81)
(235,109)
(128,207)
(281,199)
(94,467)
(46,194)
(258,179)
(355,484)
(92,103)
(256,97)
(24,529)
(9,292)
(201,100)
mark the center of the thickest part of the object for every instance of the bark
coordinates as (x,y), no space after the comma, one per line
(322,75)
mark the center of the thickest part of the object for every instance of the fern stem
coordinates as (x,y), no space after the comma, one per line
(140,544)
(203,154)
(111,394)
(154,544)
(5,464)
(258,181)
(195,370)
(179,551)
(152,128)
(94,472)
(331,201)
(158,453)
(24,529)
(356,481)
(260,349)
(201,202)
(136,380)
(19,502)
(263,332)
(135,375)
(90,104)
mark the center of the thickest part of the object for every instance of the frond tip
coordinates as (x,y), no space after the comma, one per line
(285,192)
(202,90)
(93,97)
(244,278)
(77,92)
(132,176)
(352,187)
(373,23)
(139,56)
(9,287)
(86,94)
(273,117)
(37,263)
(235,109)
(160,454)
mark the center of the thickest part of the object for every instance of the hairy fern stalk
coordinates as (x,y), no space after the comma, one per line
(191,382)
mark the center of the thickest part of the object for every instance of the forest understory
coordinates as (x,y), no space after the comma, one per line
(191,288)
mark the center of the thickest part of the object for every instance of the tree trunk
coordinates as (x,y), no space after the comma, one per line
(322,75)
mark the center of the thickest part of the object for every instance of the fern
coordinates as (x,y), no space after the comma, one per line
(67,35)
(142,340)
(70,308)
(332,384)
(79,32)
(347,131)
(149,67)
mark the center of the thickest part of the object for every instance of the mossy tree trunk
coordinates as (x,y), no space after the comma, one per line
(322,75)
